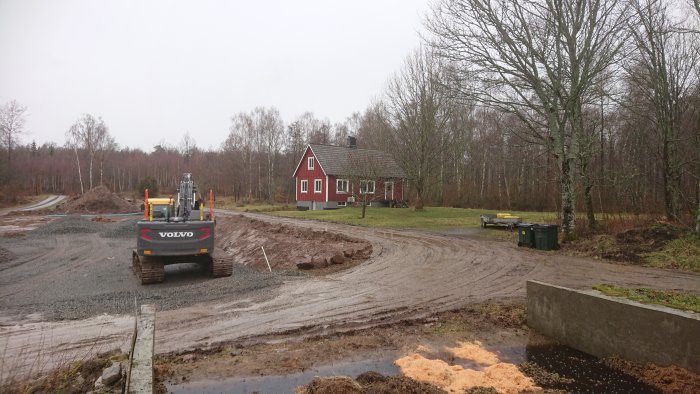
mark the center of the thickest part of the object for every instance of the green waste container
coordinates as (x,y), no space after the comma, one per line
(546,236)
(526,237)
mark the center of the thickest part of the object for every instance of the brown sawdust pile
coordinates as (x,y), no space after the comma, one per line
(505,378)
(95,201)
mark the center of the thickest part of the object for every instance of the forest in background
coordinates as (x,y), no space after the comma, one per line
(572,106)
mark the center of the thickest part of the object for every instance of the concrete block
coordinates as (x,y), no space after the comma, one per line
(141,373)
(605,326)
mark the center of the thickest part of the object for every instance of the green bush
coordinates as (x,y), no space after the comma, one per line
(149,183)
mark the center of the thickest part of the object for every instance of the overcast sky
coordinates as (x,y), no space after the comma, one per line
(156,69)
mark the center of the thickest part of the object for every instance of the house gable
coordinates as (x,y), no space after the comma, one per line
(303,161)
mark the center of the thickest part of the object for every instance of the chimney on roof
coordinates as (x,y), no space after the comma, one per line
(352,142)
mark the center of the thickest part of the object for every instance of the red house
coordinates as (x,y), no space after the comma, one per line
(329,177)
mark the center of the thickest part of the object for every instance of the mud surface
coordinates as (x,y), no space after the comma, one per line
(63,271)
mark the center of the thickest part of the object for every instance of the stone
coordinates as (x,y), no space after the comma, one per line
(235,352)
(348,253)
(338,259)
(189,357)
(112,374)
(98,383)
(319,262)
(305,266)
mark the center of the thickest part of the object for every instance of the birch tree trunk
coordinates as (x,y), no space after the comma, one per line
(80,175)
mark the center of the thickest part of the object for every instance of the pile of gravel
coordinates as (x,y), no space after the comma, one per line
(123,229)
(71,224)
(76,224)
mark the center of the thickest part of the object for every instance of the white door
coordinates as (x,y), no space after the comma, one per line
(389,190)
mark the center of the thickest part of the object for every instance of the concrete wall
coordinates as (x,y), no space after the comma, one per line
(141,368)
(606,326)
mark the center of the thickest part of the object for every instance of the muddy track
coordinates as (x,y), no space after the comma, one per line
(410,274)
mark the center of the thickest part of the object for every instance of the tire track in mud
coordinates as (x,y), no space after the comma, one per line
(410,274)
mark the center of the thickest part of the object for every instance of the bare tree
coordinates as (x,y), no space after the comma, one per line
(12,119)
(105,147)
(271,130)
(419,106)
(88,134)
(663,72)
(537,60)
(187,146)
(364,169)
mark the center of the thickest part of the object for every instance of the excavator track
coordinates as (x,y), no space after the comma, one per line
(221,266)
(148,269)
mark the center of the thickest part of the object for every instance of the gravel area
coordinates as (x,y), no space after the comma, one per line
(75,267)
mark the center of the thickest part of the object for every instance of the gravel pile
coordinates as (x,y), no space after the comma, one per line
(69,225)
(123,229)
(76,224)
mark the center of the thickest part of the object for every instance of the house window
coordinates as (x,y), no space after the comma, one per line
(342,203)
(317,186)
(341,185)
(311,163)
(367,187)
(304,186)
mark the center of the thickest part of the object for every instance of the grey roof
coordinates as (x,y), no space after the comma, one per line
(339,160)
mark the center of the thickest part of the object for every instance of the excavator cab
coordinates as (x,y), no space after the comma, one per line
(160,208)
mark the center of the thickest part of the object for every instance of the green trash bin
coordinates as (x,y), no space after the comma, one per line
(526,237)
(546,236)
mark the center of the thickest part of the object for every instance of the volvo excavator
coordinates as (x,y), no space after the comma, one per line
(176,230)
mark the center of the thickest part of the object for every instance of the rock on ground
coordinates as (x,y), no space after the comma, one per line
(112,374)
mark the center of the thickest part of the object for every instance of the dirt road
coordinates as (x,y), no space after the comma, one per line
(410,274)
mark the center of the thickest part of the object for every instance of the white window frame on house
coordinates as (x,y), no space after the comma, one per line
(310,163)
(364,189)
(304,186)
(318,186)
(342,204)
(338,183)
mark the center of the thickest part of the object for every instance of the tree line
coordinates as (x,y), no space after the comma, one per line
(587,106)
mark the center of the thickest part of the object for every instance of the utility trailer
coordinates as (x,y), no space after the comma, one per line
(500,219)
(176,231)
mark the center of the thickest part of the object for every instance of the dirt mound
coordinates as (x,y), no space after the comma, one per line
(285,246)
(367,383)
(97,200)
(332,385)
(629,246)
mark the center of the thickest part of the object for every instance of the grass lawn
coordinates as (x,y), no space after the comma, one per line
(673,299)
(431,218)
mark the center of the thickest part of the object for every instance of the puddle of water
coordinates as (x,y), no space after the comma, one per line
(581,372)
(589,374)
(284,383)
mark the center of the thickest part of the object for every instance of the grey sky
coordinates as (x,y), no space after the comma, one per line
(156,69)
